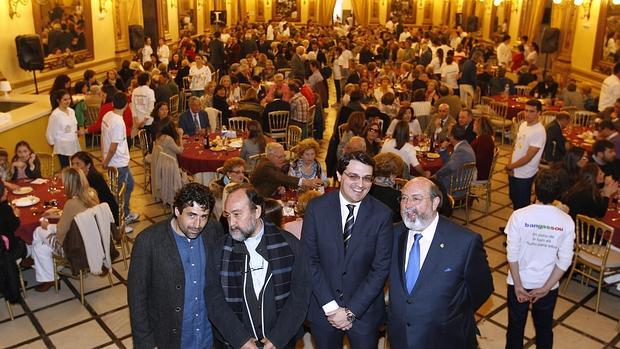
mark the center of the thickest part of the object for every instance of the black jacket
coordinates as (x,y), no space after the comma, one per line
(555,146)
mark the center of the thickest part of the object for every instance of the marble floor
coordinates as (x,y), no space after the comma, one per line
(50,320)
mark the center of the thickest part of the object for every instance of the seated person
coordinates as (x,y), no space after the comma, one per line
(373,138)
(304,198)
(5,170)
(268,178)
(604,155)
(555,145)
(273,212)
(277,103)
(233,171)
(48,238)
(220,103)
(462,154)
(466,119)
(400,146)
(546,88)
(607,130)
(527,74)
(497,85)
(169,138)
(388,166)
(25,163)
(250,106)
(585,197)
(440,125)
(194,120)
(452,100)
(571,97)
(354,127)
(355,143)
(255,143)
(407,115)
(12,246)
(306,165)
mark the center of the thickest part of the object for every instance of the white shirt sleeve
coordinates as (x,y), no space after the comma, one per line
(565,252)
(513,238)
(331,306)
(52,129)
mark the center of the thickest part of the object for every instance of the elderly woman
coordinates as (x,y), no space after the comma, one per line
(388,166)
(48,238)
(233,171)
(294,227)
(306,165)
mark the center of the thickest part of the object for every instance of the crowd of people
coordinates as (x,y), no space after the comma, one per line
(397,91)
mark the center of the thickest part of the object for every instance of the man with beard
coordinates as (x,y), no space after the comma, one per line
(439,275)
(259,285)
(166,283)
(348,236)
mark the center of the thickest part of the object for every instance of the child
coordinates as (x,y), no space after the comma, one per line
(25,163)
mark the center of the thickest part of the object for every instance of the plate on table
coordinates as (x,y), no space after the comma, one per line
(26,201)
(433,155)
(235,143)
(522,99)
(217,148)
(589,141)
(22,191)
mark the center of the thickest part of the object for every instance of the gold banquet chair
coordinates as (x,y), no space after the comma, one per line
(278,124)
(484,186)
(293,136)
(238,123)
(593,251)
(460,186)
(47,164)
(146,158)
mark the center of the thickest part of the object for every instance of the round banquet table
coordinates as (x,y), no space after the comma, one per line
(572,136)
(612,218)
(29,216)
(195,159)
(432,165)
(515,106)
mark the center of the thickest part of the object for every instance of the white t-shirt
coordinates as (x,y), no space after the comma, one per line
(540,237)
(62,132)
(435,64)
(147,51)
(142,103)
(270,35)
(414,127)
(450,74)
(610,91)
(163,52)
(407,152)
(345,58)
(527,136)
(113,131)
(200,77)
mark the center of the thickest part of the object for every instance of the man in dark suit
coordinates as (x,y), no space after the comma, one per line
(466,120)
(277,104)
(463,153)
(259,284)
(166,283)
(218,56)
(439,275)
(268,178)
(555,145)
(348,236)
(194,120)
(356,77)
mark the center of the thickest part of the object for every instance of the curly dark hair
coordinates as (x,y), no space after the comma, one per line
(193,193)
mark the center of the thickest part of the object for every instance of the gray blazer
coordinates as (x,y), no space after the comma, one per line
(463,154)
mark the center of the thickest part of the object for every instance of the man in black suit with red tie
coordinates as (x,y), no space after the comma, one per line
(348,239)
(439,275)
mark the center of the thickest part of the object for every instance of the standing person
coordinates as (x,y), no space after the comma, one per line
(348,236)
(218,56)
(147,50)
(504,52)
(259,282)
(536,267)
(610,89)
(555,144)
(142,103)
(115,150)
(526,156)
(200,75)
(62,129)
(166,282)
(439,275)
(163,52)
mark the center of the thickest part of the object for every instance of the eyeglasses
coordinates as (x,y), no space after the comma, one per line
(414,199)
(355,177)
(374,130)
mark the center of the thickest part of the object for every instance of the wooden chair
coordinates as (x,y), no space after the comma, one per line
(47,164)
(124,239)
(499,118)
(146,159)
(173,107)
(583,118)
(91,116)
(215,118)
(548,116)
(9,309)
(185,94)
(254,160)
(278,124)
(570,110)
(460,186)
(293,136)
(593,251)
(239,123)
(484,186)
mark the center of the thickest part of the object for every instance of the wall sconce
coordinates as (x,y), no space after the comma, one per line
(13,7)
(586,4)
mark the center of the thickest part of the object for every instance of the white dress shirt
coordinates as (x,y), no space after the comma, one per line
(258,265)
(425,241)
(344,212)
(61,132)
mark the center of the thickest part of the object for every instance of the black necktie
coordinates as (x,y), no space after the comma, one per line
(348,226)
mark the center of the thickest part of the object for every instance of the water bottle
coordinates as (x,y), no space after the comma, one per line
(507,89)
(224,130)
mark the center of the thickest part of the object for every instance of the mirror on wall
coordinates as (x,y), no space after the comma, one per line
(187,17)
(65,27)
(607,47)
(287,10)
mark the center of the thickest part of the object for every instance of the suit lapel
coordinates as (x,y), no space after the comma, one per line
(433,257)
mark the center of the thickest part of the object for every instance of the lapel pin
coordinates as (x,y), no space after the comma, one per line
(441,245)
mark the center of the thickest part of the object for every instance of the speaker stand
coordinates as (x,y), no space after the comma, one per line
(36,86)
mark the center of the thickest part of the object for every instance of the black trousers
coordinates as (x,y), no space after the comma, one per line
(520,191)
(542,313)
(65,160)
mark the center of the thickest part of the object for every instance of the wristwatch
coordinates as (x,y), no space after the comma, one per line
(350,316)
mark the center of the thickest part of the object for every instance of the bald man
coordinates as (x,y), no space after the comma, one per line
(439,127)
(439,275)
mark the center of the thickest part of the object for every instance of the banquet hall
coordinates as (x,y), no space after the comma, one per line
(209,85)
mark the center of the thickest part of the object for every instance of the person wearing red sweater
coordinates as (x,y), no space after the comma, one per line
(108,92)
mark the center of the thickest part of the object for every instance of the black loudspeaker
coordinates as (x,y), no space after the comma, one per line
(29,52)
(218,17)
(136,37)
(472,24)
(550,40)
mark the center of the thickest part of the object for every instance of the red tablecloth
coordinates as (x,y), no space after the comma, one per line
(196,159)
(514,106)
(609,219)
(427,164)
(29,216)
(572,137)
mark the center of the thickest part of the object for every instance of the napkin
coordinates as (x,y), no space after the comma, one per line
(39,181)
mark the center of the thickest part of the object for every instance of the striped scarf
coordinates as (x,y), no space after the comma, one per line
(280,258)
